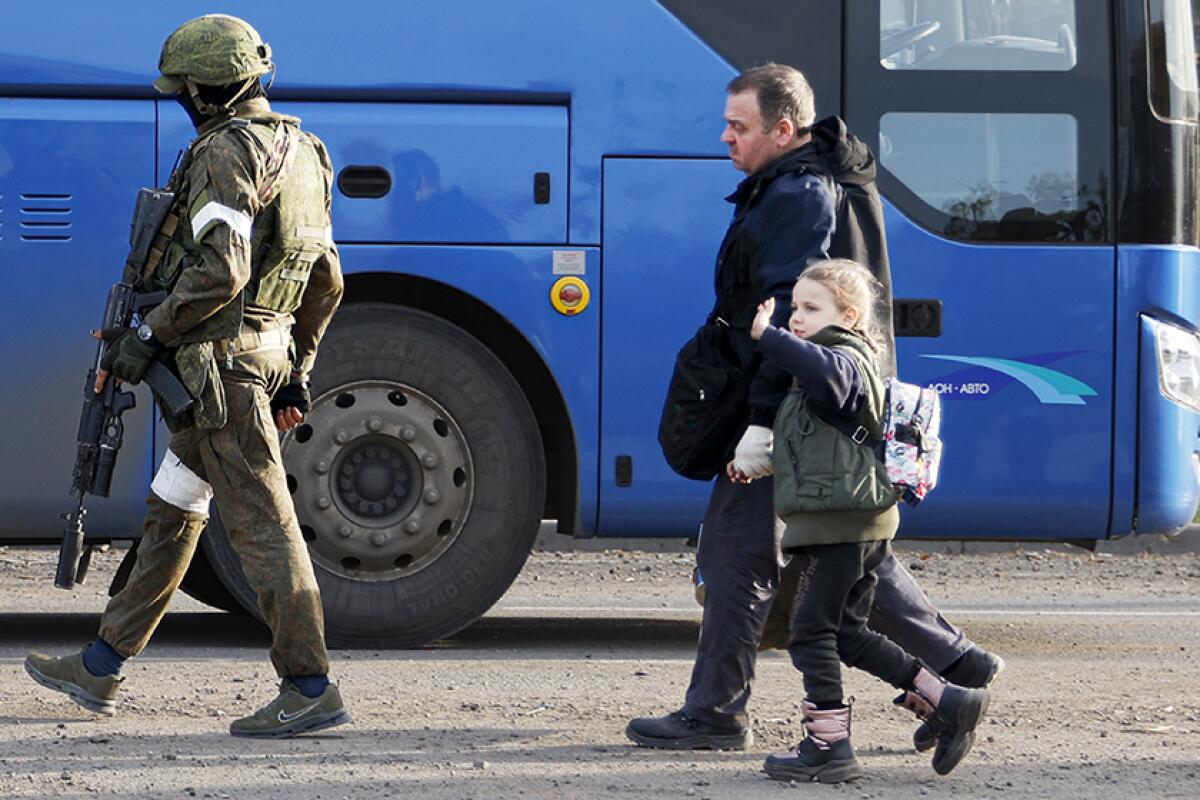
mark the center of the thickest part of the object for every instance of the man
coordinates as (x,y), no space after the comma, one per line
(784,220)
(249,264)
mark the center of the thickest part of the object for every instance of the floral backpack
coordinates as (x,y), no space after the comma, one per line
(911,447)
(910,450)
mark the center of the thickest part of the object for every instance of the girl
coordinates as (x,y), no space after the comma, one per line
(833,494)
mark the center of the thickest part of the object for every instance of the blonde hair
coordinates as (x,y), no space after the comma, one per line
(852,287)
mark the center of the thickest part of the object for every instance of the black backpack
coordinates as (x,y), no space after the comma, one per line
(705,405)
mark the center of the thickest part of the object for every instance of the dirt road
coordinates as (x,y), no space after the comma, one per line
(1099,700)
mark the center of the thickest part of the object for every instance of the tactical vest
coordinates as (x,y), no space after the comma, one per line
(290,227)
(817,466)
(293,230)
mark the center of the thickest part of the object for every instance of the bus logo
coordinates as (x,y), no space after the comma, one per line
(1051,387)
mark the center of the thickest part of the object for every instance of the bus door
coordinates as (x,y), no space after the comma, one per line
(69,172)
(993,123)
(663,223)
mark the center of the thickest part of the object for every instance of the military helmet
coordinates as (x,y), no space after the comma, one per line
(214,50)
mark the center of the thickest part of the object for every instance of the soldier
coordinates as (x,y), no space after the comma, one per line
(253,277)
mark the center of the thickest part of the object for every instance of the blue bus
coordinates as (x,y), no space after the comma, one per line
(529,198)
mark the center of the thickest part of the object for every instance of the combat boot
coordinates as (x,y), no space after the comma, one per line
(678,731)
(952,713)
(292,713)
(68,675)
(976,669)
(824,756)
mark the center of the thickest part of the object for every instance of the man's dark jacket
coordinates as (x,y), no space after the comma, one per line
(813,203)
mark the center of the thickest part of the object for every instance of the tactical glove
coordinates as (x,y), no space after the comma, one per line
(293,394)
(127,356)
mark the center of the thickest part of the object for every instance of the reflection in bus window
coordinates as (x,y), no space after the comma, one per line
(1172,35)
(1014,35)
(996,177)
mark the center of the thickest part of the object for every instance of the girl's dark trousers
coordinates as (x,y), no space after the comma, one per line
(829,621)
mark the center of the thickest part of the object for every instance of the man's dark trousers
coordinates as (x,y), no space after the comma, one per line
(738,556)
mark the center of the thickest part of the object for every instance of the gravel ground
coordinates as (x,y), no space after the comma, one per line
(1098,701)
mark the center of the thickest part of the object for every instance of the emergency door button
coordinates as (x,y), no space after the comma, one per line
(569,295)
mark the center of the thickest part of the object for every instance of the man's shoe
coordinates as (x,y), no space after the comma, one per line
(976,669)
(291,714)
(68,675)
(825,755)
(678,731)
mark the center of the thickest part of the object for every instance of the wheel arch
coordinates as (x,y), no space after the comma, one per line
(510,346)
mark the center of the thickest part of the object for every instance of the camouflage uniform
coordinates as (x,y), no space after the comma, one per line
(252,273)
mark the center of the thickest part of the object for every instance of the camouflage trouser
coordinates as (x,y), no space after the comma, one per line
(242,464)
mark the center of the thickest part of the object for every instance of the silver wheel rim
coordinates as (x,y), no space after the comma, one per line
(382,480)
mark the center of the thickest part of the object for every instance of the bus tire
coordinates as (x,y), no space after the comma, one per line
(418,478)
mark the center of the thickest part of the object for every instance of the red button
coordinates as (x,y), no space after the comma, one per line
(570,295)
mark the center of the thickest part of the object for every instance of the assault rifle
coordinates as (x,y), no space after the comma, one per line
(101,430)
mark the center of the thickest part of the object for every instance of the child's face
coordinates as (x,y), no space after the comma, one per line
(814,307)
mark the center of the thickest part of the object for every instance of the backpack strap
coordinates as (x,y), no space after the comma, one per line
(856,428)
(857,432)
(279,162)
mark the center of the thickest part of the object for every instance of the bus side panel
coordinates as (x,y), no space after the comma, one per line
(638,80)
(515,282)
(69,171)
(1024,368)
(1160,283)
(663,223)
(445,185)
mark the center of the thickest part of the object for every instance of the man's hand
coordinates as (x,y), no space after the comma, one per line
(291,403)
(752,458)
(126,358)
(762,320)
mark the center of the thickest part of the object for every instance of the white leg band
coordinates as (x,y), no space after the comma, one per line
(174,483)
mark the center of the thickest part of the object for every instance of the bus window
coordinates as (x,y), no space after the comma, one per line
(1014,35)
(996,177)
(1171,33)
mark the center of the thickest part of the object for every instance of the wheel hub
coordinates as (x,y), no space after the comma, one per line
(381,477)
(375,478)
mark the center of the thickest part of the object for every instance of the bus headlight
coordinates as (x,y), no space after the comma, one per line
(1178,364)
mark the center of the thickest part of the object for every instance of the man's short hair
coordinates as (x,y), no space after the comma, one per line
(783,92)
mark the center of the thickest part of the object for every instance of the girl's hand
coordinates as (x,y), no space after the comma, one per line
(736,475)
(762,320)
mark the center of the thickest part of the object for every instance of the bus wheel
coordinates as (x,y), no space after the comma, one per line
(418,478)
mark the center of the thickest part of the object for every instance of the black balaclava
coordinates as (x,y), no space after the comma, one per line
(216,96)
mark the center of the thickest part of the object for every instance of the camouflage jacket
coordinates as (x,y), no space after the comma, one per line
(225,242)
